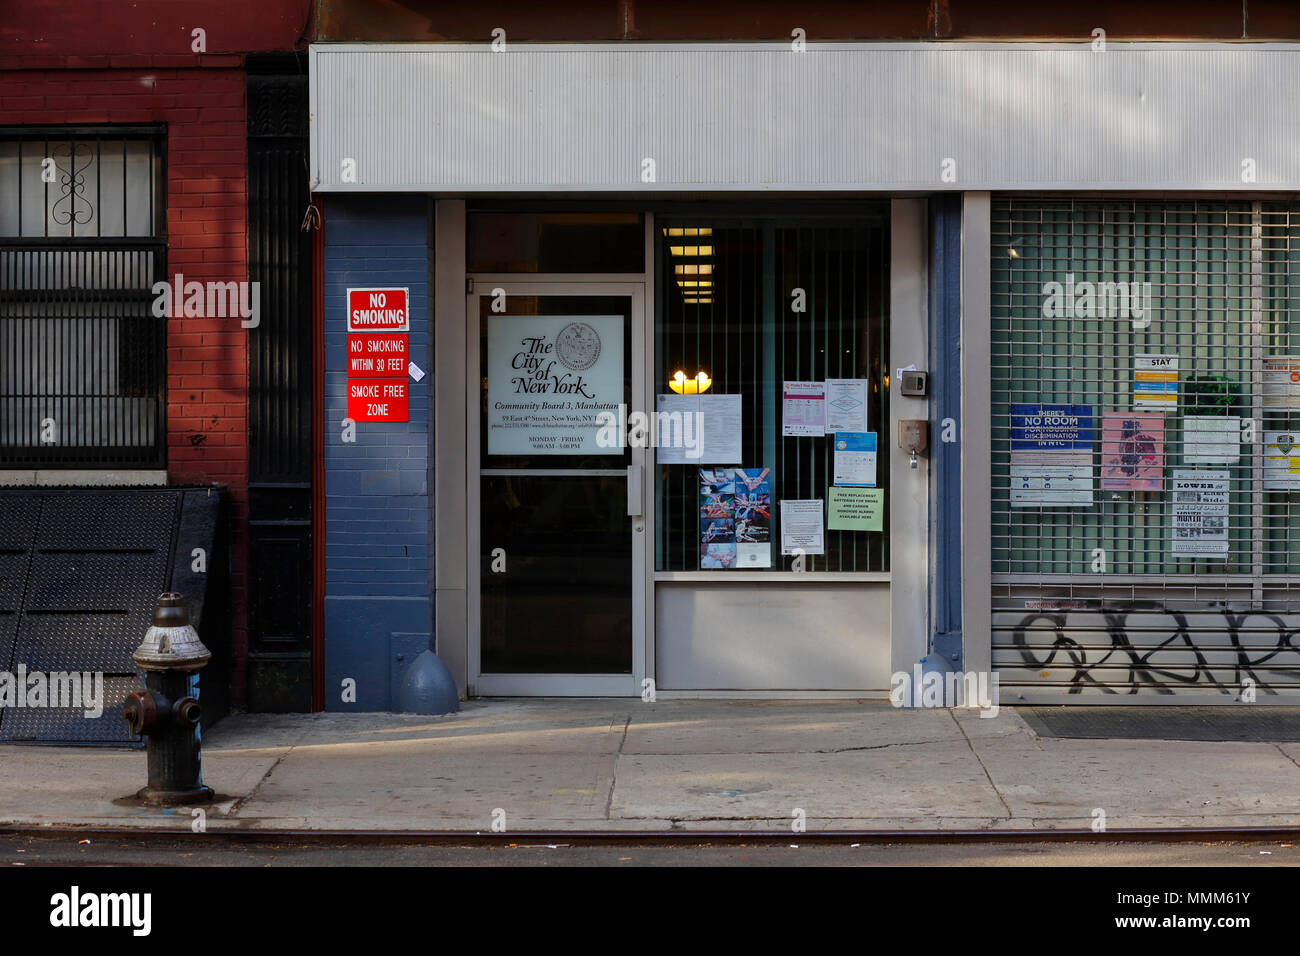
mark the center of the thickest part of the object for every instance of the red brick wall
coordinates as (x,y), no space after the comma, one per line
(201,99)
(99,27)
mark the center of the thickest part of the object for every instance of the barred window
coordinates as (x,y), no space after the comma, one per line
(82,359)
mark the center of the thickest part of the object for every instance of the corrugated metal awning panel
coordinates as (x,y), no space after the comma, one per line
(745,117)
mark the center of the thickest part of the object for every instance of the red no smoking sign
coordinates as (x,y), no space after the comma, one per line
(379,310)
(376,356)
(378,400)
(378,320)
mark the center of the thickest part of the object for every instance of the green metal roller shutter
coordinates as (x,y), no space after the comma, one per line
(1091,600)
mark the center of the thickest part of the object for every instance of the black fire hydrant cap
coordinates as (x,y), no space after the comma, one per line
(171,611)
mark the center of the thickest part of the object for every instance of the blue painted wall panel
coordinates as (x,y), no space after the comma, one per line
(377,545)
(360,635)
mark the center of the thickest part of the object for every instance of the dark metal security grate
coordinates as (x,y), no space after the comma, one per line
(730,312)
(279,387)
(1112,595)
(82,357)
(279,253)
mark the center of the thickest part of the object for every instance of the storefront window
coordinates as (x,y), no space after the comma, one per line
(752,312)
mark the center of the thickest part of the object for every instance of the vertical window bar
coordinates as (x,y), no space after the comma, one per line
(45,192)
(1256,397)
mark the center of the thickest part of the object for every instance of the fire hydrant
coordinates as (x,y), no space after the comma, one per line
(166,712)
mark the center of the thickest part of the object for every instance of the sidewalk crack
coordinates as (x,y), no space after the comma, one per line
(1286,755)
(613,773)
(845,750)
(987,775)
(239,802)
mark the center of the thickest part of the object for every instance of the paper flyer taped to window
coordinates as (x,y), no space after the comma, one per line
(855,509)
(803,410)
(846,405)
(802,528)
(735,518)
(855,459)
(697,429)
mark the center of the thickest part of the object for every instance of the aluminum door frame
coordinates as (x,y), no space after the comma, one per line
(554,685)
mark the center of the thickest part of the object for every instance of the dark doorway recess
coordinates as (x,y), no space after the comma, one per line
(280,388)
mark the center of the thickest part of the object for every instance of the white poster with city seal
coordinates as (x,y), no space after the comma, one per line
(549,378)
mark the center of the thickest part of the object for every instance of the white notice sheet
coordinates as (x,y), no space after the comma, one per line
(1211,440)
(801,526)
(697,429)
(677,437)
(721,418)
(846,405)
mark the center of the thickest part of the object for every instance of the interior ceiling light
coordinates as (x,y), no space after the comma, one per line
(691,250)
(695,283)
(686,231)
(694,269)
(701,300)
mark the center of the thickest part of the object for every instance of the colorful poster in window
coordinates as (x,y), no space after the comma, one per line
(1282,381)
(753,518)
(1051,456)
(803,410)
(1200,512)
(1155,381)
(1282,461)
(735,518)
(1132,451)
(855,459)
(1062,428)
(549,378)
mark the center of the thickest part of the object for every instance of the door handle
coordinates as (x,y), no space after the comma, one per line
(633,491)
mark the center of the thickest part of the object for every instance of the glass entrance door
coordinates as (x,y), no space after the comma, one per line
(556,534)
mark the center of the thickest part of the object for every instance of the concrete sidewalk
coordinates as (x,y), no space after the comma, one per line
(673,765)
